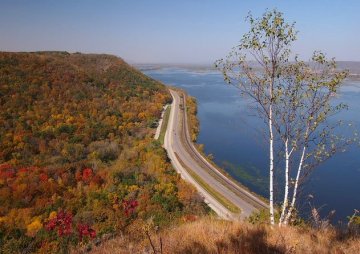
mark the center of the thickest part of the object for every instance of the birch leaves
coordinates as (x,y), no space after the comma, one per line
(293,97)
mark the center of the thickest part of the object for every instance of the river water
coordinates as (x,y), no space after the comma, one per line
(234,136)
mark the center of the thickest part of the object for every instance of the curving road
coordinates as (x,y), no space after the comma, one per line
(185,156)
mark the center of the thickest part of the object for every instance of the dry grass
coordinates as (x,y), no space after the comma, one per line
(209,235)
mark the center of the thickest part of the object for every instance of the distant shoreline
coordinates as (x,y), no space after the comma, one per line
(353,67)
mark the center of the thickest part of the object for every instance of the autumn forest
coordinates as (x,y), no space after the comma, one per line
(78,162)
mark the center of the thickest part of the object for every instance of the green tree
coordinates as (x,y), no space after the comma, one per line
(293,97)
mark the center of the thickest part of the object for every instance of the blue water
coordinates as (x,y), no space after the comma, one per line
(234,136)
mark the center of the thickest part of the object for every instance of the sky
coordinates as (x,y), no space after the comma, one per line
(167,31)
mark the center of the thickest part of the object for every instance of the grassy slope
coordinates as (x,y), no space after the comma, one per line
(209,235)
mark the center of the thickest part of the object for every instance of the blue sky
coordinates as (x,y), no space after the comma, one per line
(154,31)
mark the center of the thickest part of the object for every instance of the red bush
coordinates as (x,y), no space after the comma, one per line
(87,174)
(63,223)
(43,177)
(6,171)
(129,206)
(85,230)
(23,170)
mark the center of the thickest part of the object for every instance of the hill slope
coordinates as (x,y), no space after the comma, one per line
(56,104)
(78,162)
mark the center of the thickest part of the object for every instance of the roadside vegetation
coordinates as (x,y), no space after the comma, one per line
(191,109)
(164,124)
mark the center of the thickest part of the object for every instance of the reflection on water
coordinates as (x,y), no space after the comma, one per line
(234,136)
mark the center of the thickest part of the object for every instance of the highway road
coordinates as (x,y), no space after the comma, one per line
(185,156)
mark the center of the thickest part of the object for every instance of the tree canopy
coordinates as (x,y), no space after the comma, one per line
(78,160)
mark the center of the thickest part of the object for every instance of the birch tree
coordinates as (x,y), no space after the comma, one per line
(293,98)
(304,121)
(268,45)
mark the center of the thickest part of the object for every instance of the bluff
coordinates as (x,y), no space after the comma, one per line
(78,162)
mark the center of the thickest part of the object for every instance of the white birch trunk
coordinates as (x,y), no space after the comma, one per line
(292,206)
(271,169)
(286,191)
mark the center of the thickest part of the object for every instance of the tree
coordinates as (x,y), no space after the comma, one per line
(294,99)
(304,123)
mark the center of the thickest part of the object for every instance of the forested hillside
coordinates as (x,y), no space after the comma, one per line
(77,157)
